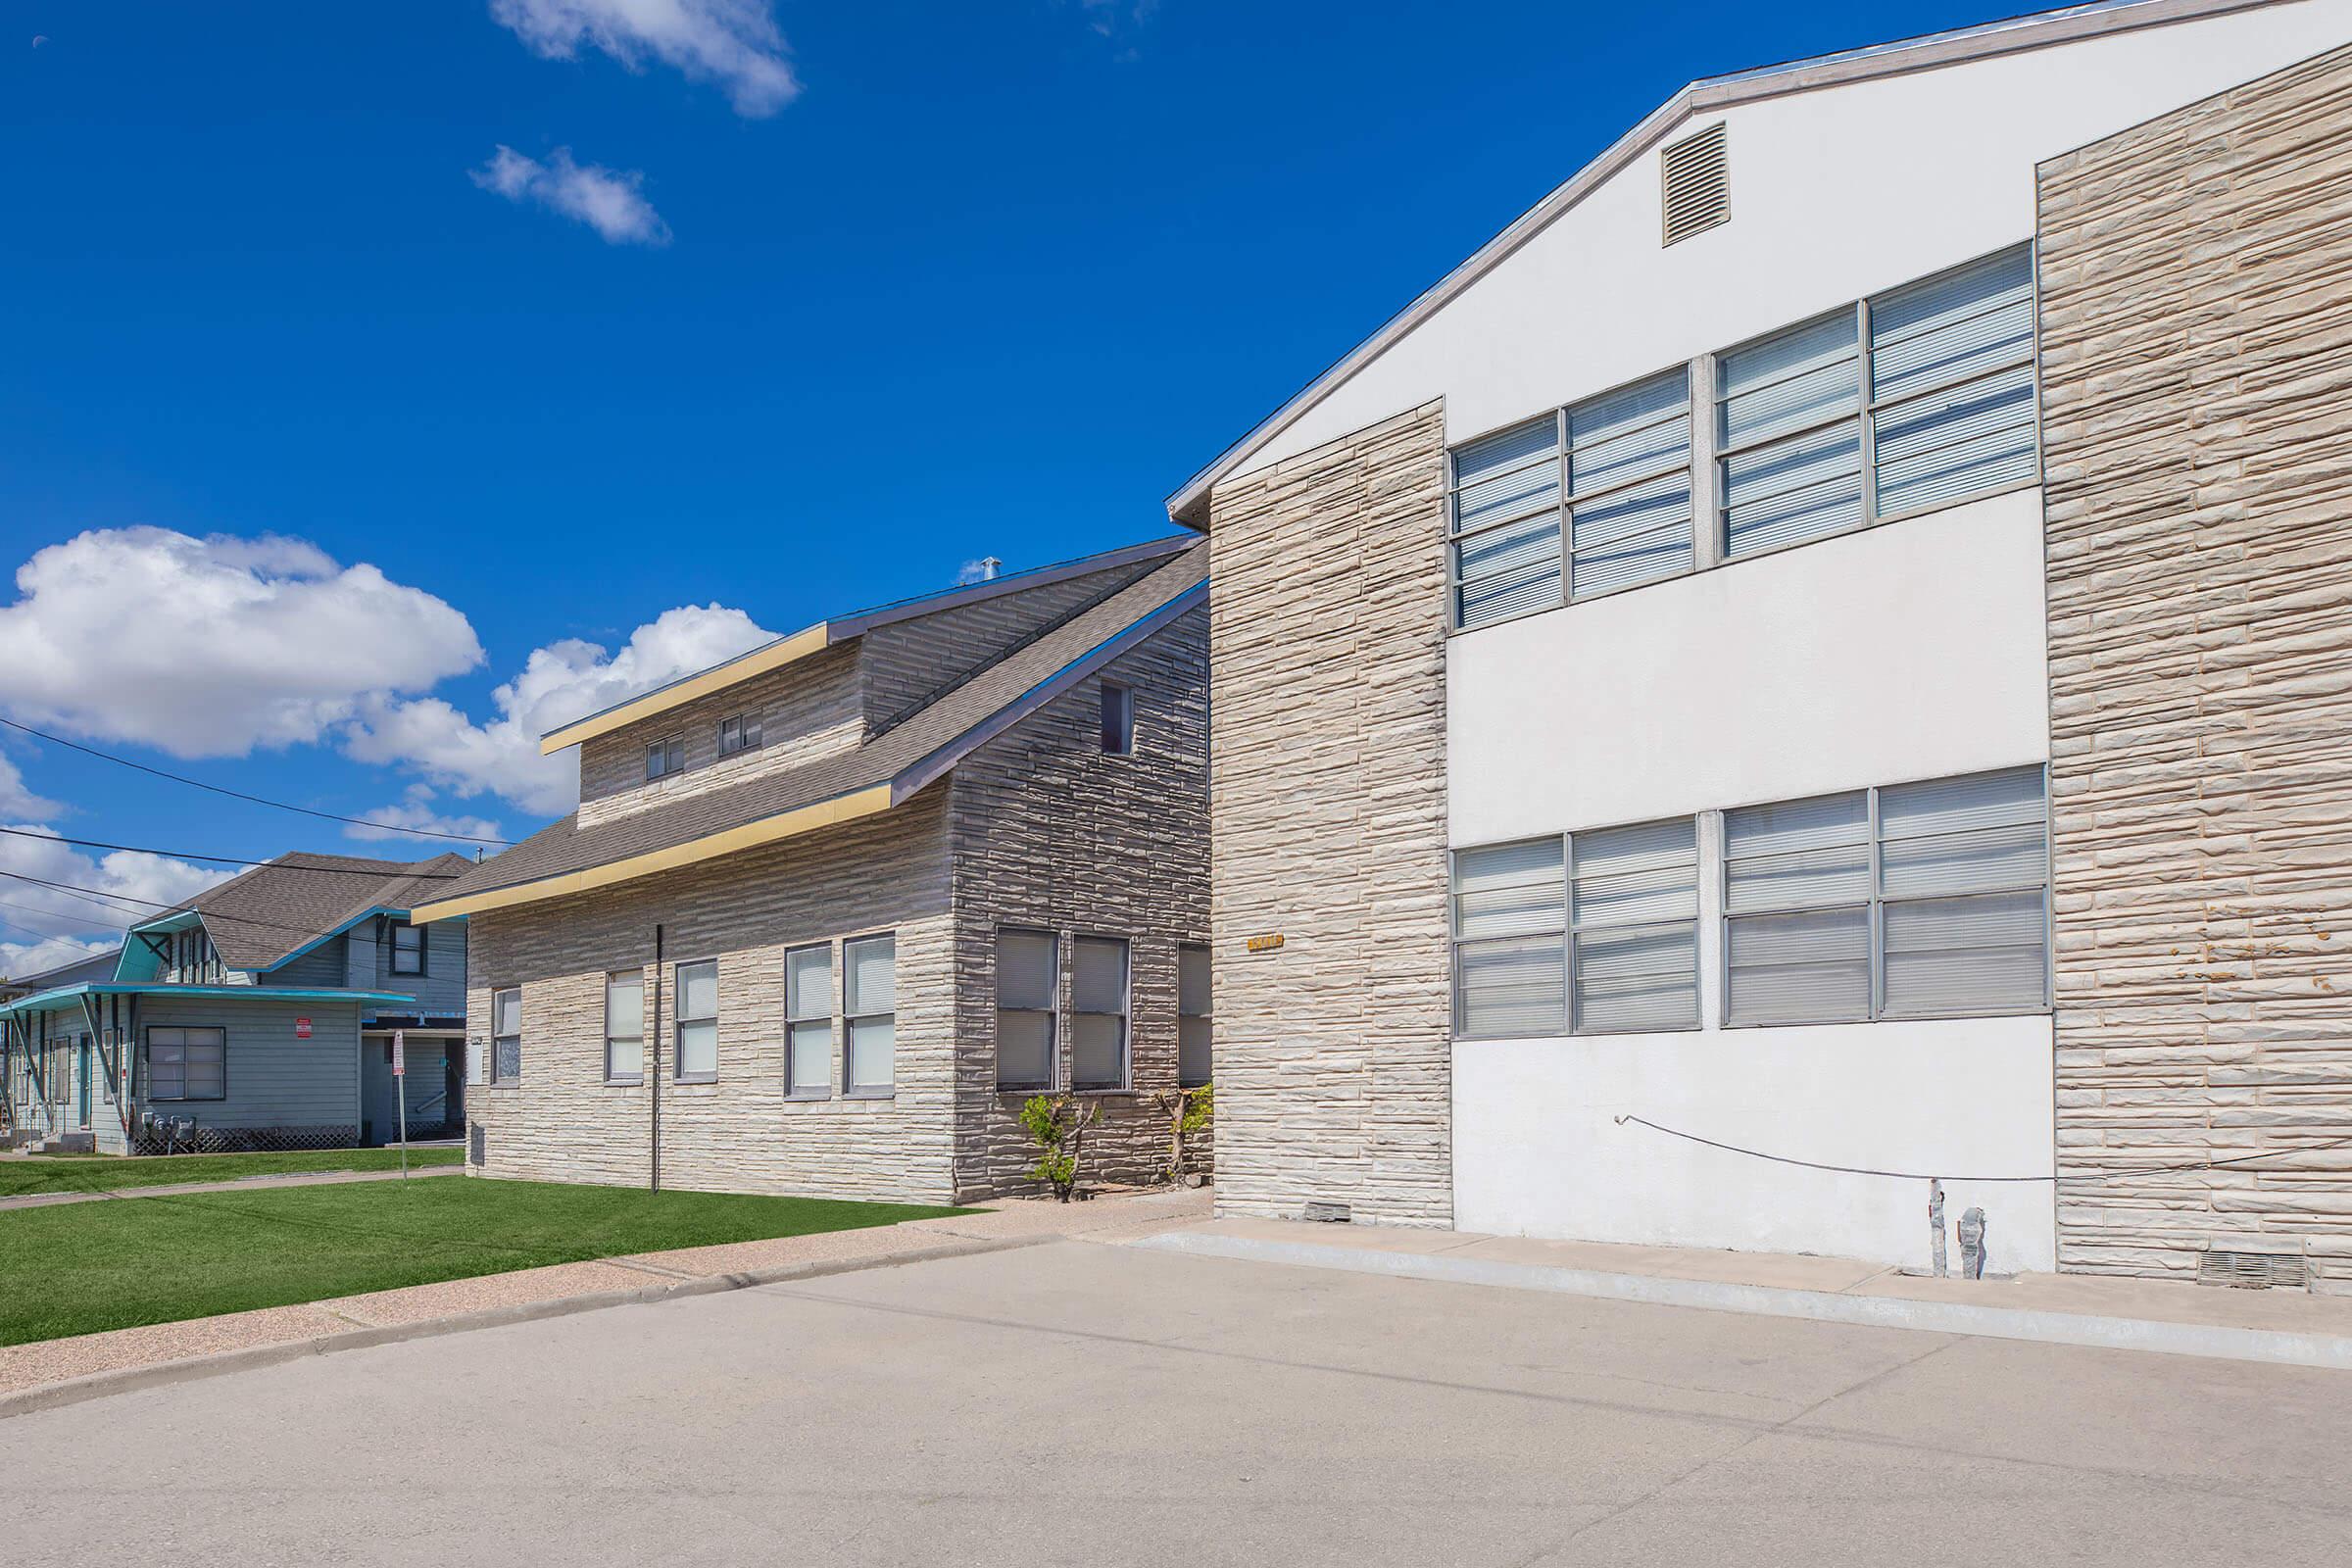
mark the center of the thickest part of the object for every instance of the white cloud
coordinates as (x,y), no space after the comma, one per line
(212,647)
(417,812)
(16,800)
(559,683)
(734,43)
(19,958)
(607,199)
(124,887)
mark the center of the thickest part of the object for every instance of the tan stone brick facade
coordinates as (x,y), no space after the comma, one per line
(1035,827)
(2197,343)
(1328,742)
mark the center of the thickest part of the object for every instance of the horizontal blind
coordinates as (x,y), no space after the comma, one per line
(1629,468)
(1506,520)
(808,982)
(870,974)
(1025,970)
(1028,970)
(1964,872)
(1788,421)
(1634,896)
(1098,974)
(1952,383)
(624,1007)
(1510,953)
(1797,900)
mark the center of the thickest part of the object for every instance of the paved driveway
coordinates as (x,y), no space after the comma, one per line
(1083,1403)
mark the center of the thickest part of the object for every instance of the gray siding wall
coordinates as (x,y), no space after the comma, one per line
(809,708)
(1051,833)
(441,990)
(58,1111)
(275,1079)
(563,1122)
(323,966)
(911,660)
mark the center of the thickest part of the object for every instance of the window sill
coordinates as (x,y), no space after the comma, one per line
(689,1080)
(807,1097)
(624,1083)
(1104,1092)
(1895,1017)
(869,1094)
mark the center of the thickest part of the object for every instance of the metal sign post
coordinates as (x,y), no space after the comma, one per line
(399,1082)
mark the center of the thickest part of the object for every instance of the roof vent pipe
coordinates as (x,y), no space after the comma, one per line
(988,567)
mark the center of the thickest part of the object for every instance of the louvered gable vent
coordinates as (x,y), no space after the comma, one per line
(1699,187)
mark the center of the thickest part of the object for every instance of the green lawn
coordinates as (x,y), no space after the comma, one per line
(75,1268)
(93,1173)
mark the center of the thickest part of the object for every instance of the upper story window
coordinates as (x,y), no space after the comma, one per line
(738,734)
(869,976)
(1118,719)
(665,757)
(1911,400)
(697,1056)
(408,948)
(506,1036)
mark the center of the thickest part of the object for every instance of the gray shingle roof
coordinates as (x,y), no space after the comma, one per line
(260,918)
(907,757)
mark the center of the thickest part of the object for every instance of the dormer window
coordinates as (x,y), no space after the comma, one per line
(739,734)
(665,757)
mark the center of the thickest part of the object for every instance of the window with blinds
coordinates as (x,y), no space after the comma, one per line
(809,1021)
(1789,436)
(697,1059)
(1028,970)
(1193,1037)
(624,1026)
(1505,511)
(869,977)
(1952,365)
(1633,928)
(1099,1013)
(1510,953)
(1628,476)
(1925,900)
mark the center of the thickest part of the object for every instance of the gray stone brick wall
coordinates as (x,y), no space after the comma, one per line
(1328,804)
(2196,345)
(1051,834)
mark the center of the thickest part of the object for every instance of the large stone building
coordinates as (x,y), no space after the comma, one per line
(830,913)
(1815,663)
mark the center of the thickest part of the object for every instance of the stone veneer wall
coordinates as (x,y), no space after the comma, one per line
(1051,834)
(1328,805)
(2196,344)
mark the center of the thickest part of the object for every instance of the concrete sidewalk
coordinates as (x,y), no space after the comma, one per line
(51,1372)
(240,1184)
(2287,1327)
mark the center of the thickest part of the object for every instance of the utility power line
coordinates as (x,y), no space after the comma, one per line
(219,860)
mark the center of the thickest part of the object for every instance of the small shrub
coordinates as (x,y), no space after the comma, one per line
(1189,1112)
(1058,1130)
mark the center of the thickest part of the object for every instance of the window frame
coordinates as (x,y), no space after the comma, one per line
(749,733)
(611,1077)
(493,1077)
(1875,937)
(1118,694)
(1208,953)
(1577,1027)
(794,1022)
(423,948)
(147,1086)
(1125,1014)
(1454,940)
(850,1088)
(1052,1012)
(678,1022)
(672,753)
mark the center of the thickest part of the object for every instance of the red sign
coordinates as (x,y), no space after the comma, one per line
(302,1028)
(400,1054)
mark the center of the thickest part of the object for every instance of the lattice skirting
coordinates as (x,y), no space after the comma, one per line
(251,1140)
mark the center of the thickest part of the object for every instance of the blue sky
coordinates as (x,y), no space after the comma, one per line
(322,415)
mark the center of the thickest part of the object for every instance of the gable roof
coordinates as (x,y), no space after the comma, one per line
(883,772)
(800,645)
(260,918)
(91,966)
(1189,505)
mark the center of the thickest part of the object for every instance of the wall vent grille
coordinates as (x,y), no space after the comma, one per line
(2253,1271)
(1698,183)
(1327,1213)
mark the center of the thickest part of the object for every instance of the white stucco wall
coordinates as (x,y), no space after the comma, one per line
(1910,650)
(1537,1151)
(1836,194)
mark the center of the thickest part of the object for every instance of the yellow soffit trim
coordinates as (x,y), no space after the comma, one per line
(869,802)
(759,662)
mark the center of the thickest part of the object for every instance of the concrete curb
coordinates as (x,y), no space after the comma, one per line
(2278,1348)
(129,1379)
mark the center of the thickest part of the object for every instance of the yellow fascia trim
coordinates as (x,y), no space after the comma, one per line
(869,802)
(759,662)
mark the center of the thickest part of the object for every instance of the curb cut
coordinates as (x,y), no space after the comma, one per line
(190,1369)
(2278,1348)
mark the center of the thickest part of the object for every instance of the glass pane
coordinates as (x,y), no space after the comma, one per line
(1630,433)
(811,1057)
(1507,474)
(1193,1035)
(808,982)
(1978,861)
(1118,720)
(624,1006)
(1192,981)
(1952,328)
(1509,890)
(1794,490)
(1514,986)
(697,1049)
(1025,970)
(1637,535)
(624,1058)
(1799,377)
(1640,874)
(1097,1052)
(1098,974)
(1792,853)
(1812,967)
(507,1012)
(698,989)
(1638,977)
(870,974)
(510,1061)
(1963,441)
(1025,1050)
(1961,955)
(873,1047)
